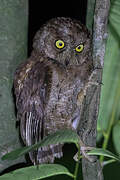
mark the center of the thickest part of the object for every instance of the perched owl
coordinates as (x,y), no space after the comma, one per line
(49,87)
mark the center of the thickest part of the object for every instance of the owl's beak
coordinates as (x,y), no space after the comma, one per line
(66,62)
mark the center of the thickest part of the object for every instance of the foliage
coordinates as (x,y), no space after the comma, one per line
(48,170)
(39,172)
(109,115)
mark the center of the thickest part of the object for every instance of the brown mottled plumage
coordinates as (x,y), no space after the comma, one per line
(49,86)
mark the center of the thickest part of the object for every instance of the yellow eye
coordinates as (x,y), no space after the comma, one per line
(59,44)
(79,48)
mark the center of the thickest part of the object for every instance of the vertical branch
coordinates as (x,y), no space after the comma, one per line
(100,31)
(100,34)
(89,116)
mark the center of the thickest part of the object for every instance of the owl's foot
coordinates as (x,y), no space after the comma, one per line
(83,151)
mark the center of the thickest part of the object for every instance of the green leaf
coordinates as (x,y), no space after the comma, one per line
(102,152)
(15,154)
(116,137)
(109,162)
(61,136)
(35,173)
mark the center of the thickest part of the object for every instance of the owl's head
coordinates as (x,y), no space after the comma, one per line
(65,40)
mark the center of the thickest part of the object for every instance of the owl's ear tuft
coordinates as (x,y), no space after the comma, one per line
(36,40)
(40,38)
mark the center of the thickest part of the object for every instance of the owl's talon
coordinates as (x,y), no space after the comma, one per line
(83,150)
(76,157)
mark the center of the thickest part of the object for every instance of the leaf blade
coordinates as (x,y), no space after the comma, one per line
(61,136)
(103,152)
(111,72)
(116,137)
(34,173)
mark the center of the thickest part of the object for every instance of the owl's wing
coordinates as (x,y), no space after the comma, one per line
(30,90)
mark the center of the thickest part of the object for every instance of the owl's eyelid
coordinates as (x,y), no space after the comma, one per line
(59,39)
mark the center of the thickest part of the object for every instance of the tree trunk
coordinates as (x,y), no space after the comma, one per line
(13,49)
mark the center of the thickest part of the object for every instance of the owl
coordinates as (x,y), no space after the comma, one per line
(50,85)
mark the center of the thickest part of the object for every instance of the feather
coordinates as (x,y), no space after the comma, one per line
(31,93)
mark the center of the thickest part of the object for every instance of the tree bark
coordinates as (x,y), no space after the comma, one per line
(88,122)
(13,49)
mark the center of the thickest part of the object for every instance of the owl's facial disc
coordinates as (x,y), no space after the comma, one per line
(68,52)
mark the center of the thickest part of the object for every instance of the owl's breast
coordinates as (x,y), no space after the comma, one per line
(61,108)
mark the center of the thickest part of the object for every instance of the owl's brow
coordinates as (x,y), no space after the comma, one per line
(81,42)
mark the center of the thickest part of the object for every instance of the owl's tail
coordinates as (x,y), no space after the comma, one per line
(46,154)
